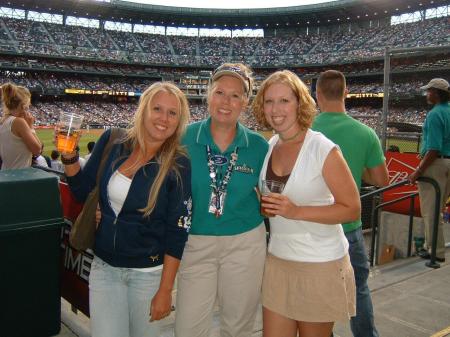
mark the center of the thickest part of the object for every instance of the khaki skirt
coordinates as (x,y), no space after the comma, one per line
(308,291)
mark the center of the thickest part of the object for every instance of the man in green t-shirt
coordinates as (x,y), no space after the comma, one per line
(362,151)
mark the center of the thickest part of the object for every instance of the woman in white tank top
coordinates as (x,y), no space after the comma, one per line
(308,280)
(18,140)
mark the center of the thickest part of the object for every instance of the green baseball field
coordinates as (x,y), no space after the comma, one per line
(46,136)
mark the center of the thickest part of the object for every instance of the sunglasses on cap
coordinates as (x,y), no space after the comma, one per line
(233,70)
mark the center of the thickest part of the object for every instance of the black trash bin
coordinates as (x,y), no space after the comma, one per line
(30,232)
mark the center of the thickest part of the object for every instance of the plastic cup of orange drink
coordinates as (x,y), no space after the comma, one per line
(68,132)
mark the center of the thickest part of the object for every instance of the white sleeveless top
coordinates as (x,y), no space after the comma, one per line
(13,151)
(305,241)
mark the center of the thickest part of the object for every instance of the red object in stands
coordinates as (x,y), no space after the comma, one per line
(400,166)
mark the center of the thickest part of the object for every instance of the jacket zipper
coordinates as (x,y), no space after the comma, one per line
(117,216)
(115,233)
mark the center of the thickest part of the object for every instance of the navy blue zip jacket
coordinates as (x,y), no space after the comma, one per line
(131,240)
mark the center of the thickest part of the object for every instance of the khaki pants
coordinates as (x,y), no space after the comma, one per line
(439,170)
(229,268)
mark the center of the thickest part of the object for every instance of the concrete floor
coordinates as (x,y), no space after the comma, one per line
(410,300)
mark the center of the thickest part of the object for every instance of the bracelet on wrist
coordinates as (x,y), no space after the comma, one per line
(70,161)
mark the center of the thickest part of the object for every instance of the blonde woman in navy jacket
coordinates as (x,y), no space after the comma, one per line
(145,203)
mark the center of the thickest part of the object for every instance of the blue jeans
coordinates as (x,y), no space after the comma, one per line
(119,300)
(362,324)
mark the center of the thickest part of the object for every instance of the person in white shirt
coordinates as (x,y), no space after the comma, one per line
(55,163)
(18,139)
(308,280)
(81,160)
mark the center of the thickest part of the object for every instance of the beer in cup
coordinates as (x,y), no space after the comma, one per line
(267,187)
(68,132)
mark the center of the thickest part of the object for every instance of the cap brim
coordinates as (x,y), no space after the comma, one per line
(231,73)
(425,87)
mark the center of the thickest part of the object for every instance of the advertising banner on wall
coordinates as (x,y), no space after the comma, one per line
(400,166)
(75,265)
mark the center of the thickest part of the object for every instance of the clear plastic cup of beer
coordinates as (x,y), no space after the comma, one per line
(68,132)
(267,187)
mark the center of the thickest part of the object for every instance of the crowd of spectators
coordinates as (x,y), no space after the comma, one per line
(122,61)
(104,113)
(44,64)
(91,79)
(315,48)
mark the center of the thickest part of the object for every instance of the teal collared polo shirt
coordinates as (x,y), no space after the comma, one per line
(436,130)
(241,208)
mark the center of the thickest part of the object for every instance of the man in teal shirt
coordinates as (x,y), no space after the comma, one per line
(362,151)
(435,162)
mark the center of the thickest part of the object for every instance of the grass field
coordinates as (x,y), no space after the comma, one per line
(46,136)
(405,145)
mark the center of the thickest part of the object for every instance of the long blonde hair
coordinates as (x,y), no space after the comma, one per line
(306,104)
(171,148)
(13,97)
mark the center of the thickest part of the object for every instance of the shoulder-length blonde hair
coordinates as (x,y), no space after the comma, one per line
(306,104)
(171,148)
(14,97)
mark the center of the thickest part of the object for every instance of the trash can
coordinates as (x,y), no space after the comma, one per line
(30,232)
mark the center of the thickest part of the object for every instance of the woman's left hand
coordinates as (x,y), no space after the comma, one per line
(161,305)
(278,204)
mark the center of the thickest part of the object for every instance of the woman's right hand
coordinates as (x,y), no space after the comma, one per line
(98,216)
(29,119)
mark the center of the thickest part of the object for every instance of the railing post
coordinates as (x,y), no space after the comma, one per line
(437,212)
(411,222)
(375,201)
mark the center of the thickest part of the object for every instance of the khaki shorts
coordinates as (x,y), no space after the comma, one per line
(310,292)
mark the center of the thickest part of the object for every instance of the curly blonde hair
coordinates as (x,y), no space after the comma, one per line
(306,104)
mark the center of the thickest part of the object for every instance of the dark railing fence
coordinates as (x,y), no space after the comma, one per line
(371,203)
(376,196)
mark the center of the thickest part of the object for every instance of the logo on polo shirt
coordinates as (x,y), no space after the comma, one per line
(244,169)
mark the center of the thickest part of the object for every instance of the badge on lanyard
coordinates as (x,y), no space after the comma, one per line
(219,190)
(216,203)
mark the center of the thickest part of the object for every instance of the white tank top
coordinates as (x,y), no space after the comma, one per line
(298,240)
(118,187)
(13,151)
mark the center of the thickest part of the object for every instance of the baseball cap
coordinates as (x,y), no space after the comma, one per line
(234,71)
(437,83)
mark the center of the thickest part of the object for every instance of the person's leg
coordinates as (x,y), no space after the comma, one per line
(239,282)
(108,301)
(362,324)
(197,287)
(142,286)
(439,172)
(276,325)
(313,329)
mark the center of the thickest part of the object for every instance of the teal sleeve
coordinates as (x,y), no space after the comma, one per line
(435,135)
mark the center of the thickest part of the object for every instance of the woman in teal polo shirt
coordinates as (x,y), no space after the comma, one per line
(224,256)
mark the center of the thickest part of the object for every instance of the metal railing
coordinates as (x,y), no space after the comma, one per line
(374,222)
